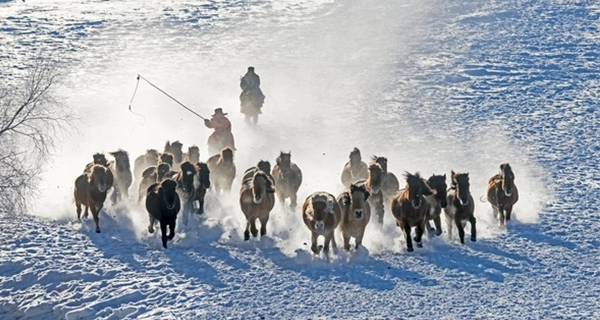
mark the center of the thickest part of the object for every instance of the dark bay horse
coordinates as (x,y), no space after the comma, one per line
(410,208)
(148,159)
(123,177)
(389,182)
(201,185)
(185,179)
(222,170)
(321,213)
(163,205)
(175,148)
(288,178)
(90,191)
(502,193)
(436,202)
(461,206)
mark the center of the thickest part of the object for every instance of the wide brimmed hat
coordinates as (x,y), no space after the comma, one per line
(219,111)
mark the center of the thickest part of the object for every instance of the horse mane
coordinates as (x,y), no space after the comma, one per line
(122,159)
(166,157)
(225,155)
(100,158)
(264,165)
(323,198)
(355,154)
(269,184)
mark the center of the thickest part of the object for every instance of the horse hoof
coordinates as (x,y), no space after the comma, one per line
(419,245)
(410,249)
(438,233)
(474,239)
(150,229)
(97,230)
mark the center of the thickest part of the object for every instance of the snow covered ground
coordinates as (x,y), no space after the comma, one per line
(432,85)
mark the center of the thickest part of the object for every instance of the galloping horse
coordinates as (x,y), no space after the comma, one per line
(321,213)
(288,178)
(193,154)
(460,207)
(410,208)
(502,193)
(90,191)
(222,170)
(123,177)
(163,204)
(175,148)
(356,214)
(373,185)
(256,202)
(185,186)
(355,169)
(201,184)
(437,202)
(389,182)
(148,159)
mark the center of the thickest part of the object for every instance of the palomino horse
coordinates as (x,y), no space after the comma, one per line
(321,213)
(185,187)
(437,202)
(356,214)
(201,184)
(90,191)
(373,185)
(502,193)
(288,178)
(410,208)
(163,204)
(461,206)
(175,148)
(389,182)
(148,159)
(123,177)
(256,202)
(355,169)
(222,170)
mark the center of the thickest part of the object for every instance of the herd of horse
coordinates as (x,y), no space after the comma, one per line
(174,182)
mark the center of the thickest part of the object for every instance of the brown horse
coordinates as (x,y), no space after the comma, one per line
(373,185)
(355,169)
(264,166)
(389,182)
(502,193)
(123,178)
(100,158)
(436,202)
(150,158)
(288,178)
(175,148)
(410,208)
(163,204)
(222,170)
(321,214)
(256,202)
(461,206)
(90,191)
(356,214)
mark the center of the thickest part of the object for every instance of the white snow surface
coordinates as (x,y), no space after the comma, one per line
(432,85)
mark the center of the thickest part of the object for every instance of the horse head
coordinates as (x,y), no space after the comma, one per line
(226,155)
(203,175)
(355,157)
(261,184)
(152,156)
(121,159)
(193,154)
(168,192)
(382,162)
(461,185)
(188,171)
(321,206)
(264,166)
(162,170)
(359,196)
(416,188)
(100,158)
(167,157)
(438,184)
(508,178)
(375,177)
(284,160)
(98,178)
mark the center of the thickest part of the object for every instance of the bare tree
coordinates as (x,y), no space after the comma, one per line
(31,116)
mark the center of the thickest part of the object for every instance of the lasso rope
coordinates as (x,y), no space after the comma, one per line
(161,90)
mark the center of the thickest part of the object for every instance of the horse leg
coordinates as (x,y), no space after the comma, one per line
(346,241)
(314,247)
(95,214)
(328,239)
(419,235)
(406,229)
(495,210)
(294,200)
(78,206)
(247,231)
(450,226)
(151,225)
(461,229)
(508,212)
(473,222)
(263,224)
(253,228)
(163,233)
(358,240)
(501,215)
(438,225)
(172,224)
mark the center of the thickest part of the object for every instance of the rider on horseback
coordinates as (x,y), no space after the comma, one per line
(222,137)
(251,96)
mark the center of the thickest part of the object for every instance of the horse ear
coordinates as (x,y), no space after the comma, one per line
(367,195)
